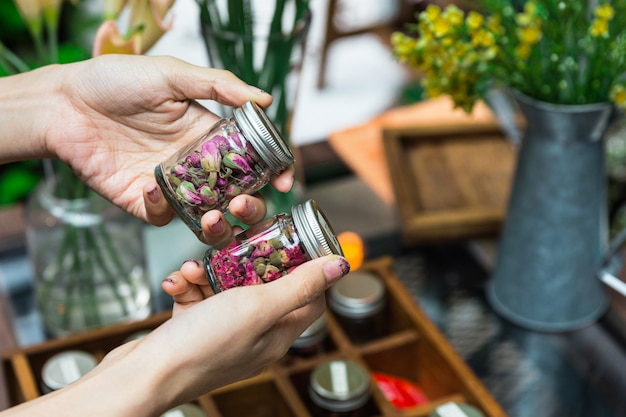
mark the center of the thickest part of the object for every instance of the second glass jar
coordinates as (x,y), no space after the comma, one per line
(272,248)
(238,155)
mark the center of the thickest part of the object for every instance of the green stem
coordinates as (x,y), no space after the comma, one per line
(10,61)
(107,273)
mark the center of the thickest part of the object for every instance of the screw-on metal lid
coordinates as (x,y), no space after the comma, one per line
(357,295)
(339,385)
(315,231)
(66,367)
(264,136)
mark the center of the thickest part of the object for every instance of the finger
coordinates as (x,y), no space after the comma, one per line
(216,230)
(284,181)
(201,83)
(181,290)
(158,211)
(302,286)
(194,272)
(248,209)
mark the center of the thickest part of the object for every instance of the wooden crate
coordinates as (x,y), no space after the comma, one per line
(450,181)
(412,349)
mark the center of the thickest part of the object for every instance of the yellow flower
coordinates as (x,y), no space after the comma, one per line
(474,20)
(483,38)
(523,50)
(494,24)
(432,12)
(618,95)
(529,34)
(599,28)
(530,8)
(441,27)
(604,12)
(453,15)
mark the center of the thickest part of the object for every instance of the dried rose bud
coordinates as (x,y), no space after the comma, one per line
(188,193)
(272,273)
(264,248)
(236,161)
(211,156)
(231,191)
(208,195)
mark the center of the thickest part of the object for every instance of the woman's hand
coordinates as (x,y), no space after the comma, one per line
(115,117)
(240,331)
(212,343)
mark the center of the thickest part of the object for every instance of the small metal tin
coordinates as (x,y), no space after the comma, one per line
(66,367)
(339,386)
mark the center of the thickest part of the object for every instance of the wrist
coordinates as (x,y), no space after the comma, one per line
(29,103)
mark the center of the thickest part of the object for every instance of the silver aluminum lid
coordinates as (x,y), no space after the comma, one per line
(264,136)
(66,367)
(185,410)
(359,294)
(339,385)
(315,231)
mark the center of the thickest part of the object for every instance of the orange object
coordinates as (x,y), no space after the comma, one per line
(353,249)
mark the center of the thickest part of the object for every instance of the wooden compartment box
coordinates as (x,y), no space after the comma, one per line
(412,349)
(450,181)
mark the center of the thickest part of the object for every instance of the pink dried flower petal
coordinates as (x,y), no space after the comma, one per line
(262,249)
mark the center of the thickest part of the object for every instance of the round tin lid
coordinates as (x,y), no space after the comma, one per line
(453,409)
(264,136)
(357,295)
(315,231)
(185,410)
(339,385)
(66,367)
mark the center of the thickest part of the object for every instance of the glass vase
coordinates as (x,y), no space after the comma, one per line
(87,256)
(263,43)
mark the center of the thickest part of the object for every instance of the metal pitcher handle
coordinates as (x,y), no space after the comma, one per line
(611,264)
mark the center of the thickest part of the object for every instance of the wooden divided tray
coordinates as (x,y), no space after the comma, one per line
(412,348)
(450,181)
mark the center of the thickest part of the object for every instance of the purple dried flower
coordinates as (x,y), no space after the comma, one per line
(246,181)
(231,191)
(180,172)
(193,160)
(293,255)
(236,161)
(264,248)
(221,182)
(208,195)
(187,193)
(221,143)
(211,156)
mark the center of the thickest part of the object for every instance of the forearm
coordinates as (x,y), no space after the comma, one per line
(27,107)
(128,383)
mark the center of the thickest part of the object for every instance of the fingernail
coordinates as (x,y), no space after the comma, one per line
(194,261)
(248,209)
(335,269)
(171,280)
(154,195)
(217,228)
